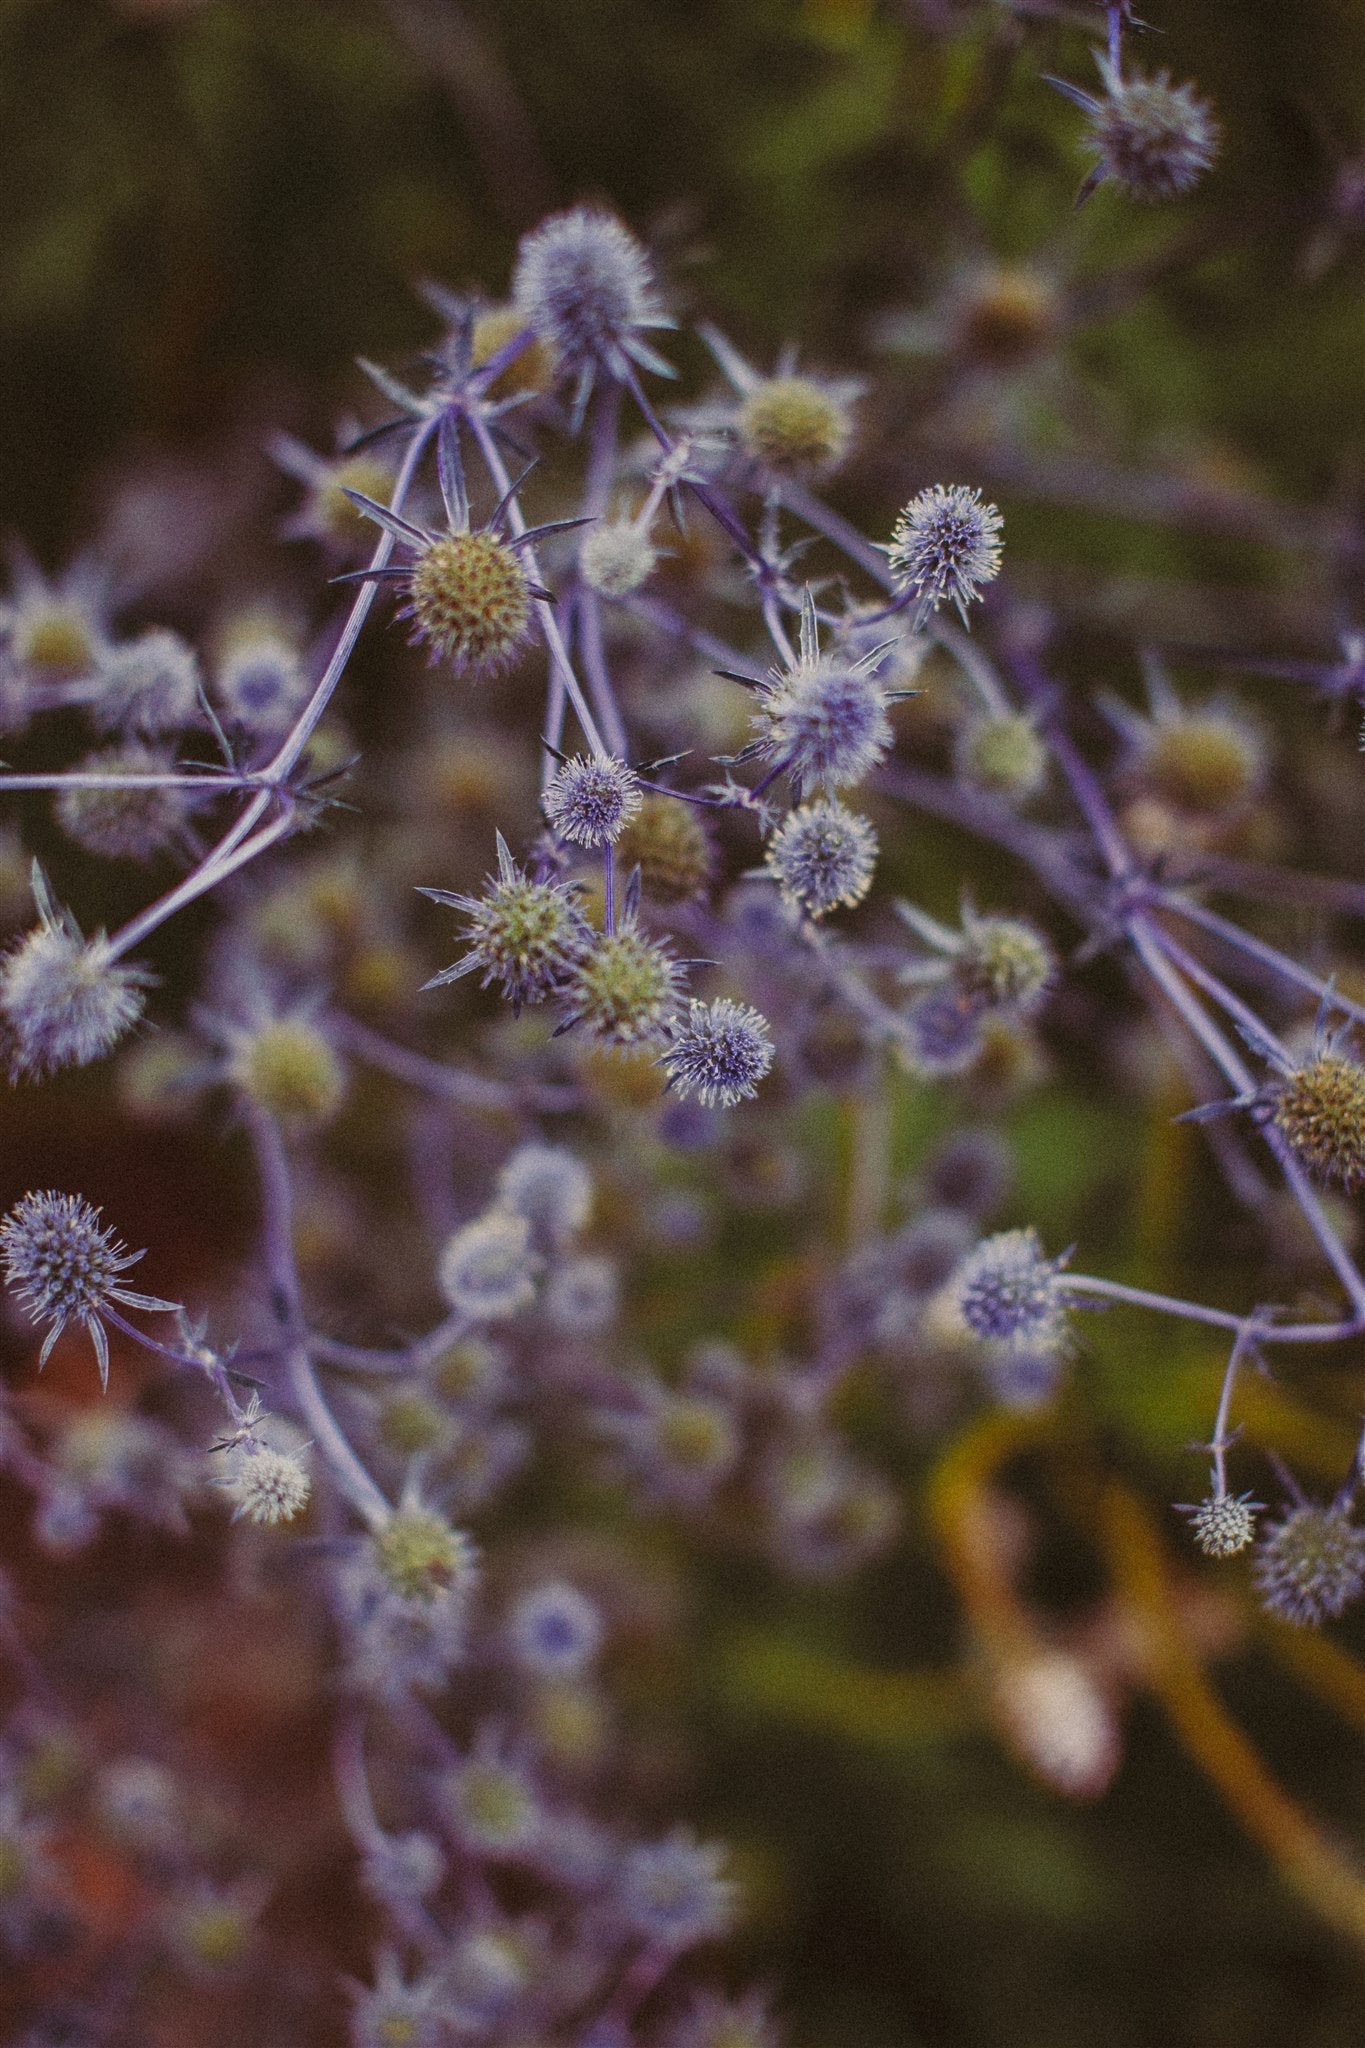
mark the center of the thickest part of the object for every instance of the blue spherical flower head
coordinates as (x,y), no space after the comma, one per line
(1153,138)
(720,1053)
(586,287)
(554,1630)
(824,719)
(945,545)
(591,800)
(1007,1292)
(821,856)
(1310,1566)
(65,1266)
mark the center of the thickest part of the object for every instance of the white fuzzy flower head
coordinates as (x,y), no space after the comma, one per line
(945,545)
(64,1000)
(126,821)
(550,1188)
(151,685)
(267,1486)
(1155,139)
(616,558)
(1008,1293)
(554,1630)
(488,1269)
(591,800)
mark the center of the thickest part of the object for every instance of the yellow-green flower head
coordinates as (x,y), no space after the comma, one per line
(329,513)
(1319,1108)
(616,557)
(991,964)
(667,841)
(624,989)
(421,1558)
(289,1068)
(54,628)
(469,595)
(795,426)
(1001,754)
(526,935)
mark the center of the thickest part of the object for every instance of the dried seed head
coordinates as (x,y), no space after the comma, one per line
(795,426)
(1311,1566)
(471,601)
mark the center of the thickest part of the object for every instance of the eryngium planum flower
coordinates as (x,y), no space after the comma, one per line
(821,856)
(65,1266)
(720,1053)
(591,799)
(525,934)
(1009,1293)
(945,545)
(586,286)
(1311,1566)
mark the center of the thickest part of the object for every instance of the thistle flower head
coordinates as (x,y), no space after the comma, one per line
(54,627)
(396,2013)
(328,512)
(151,685)
(719,1052)
(990,964)
(591,799)
(488,1269)
(824,719)
(1310,1566)
(1223,1523)
(1008,1293)
(1153,138)
(616,557)
(945,545)
(667,841)
(795,426)
(821,856)
(492,1799)
(587,287)
(65,1266)
(526,935)
(64,1000)
(1318,1106)
(624,988)
(125,821)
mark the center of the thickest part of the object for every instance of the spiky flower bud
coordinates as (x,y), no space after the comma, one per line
(488,1269)
(1002,964)
(945,545)
(65,1265)
(421,1558)
(471,602)
(1311,1566)
(667,841)
(795,426)
(624,989)
(126,821)
(526,935)
(720,1052)
(266,1485)
(65,1000)
(1007,1292)
(1223,1523)
(821,856)
(1002,754)
(1153,138)
(591,799)
(586,286)
(287,1067)
(616,558)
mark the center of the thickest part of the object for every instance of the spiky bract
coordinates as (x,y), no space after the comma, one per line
(65,1266)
